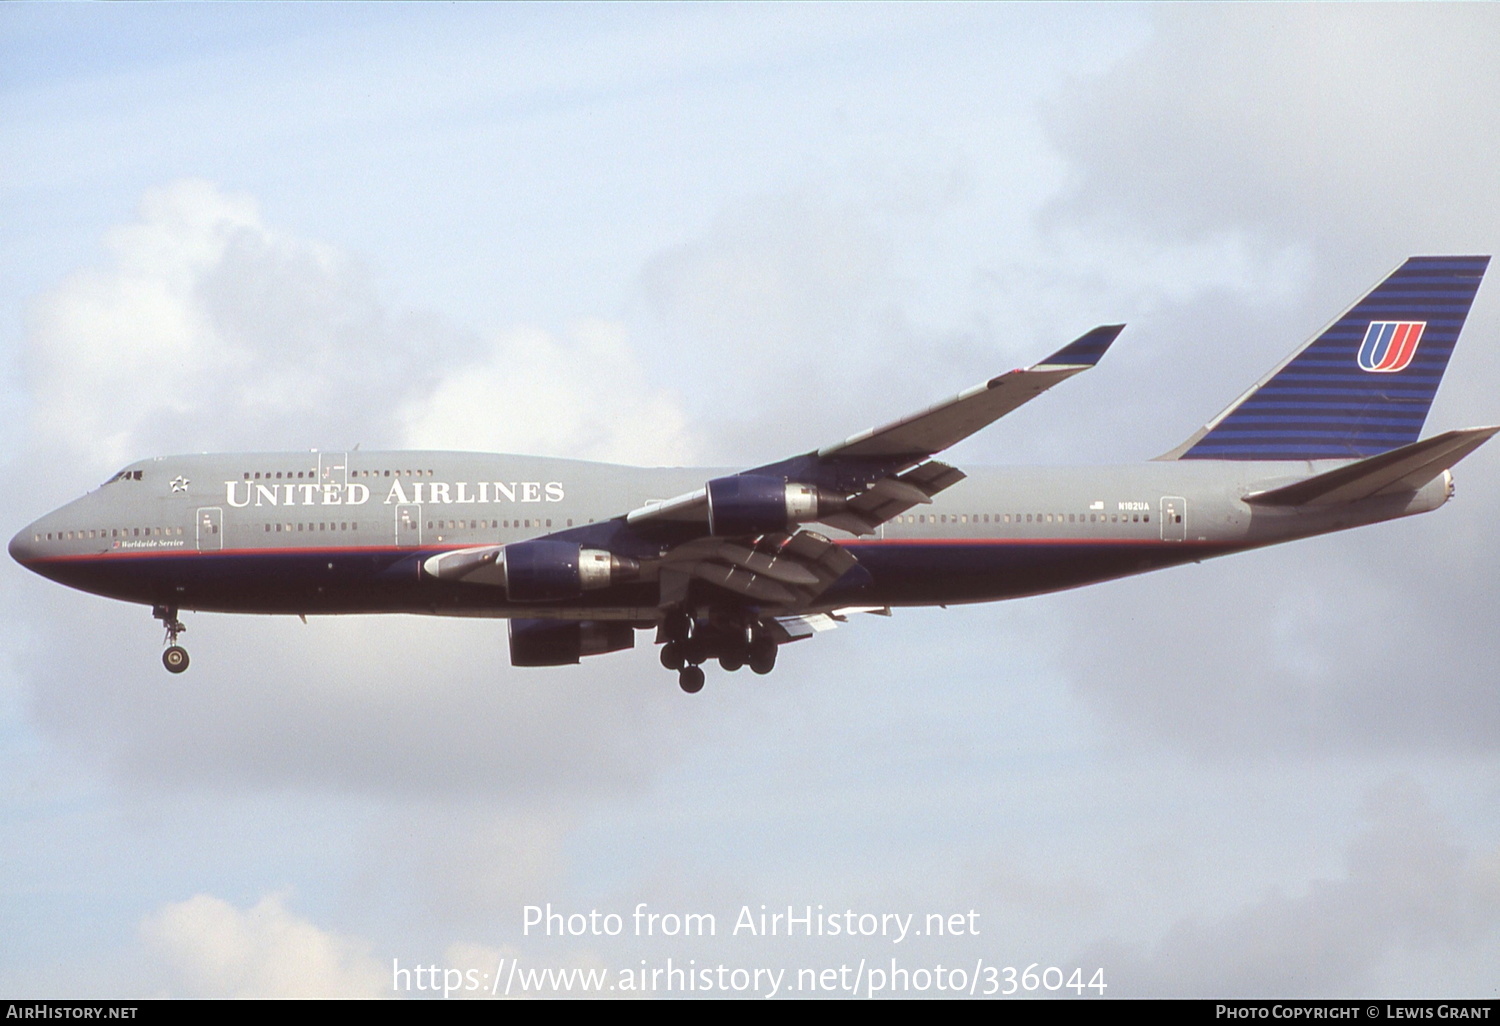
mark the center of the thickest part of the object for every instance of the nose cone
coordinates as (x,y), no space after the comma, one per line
(23,547)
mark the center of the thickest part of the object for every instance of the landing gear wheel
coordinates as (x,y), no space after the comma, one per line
(695,649)
(671,656)
(690,679)
(175,659)
(762,655)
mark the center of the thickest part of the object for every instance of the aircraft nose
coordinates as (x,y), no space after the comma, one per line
(23,547)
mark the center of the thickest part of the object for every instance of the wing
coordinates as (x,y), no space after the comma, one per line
(879,474)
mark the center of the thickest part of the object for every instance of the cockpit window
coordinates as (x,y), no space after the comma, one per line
(124,475)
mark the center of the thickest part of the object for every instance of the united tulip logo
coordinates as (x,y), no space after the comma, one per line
(1390,345)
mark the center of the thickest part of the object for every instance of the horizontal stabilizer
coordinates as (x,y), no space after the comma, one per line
(1401,470)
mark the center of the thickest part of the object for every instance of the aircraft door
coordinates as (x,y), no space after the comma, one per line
(333,468)
(210,529)
(1173,518)
(409,524)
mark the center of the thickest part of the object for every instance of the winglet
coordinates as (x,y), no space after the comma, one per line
(1085,350)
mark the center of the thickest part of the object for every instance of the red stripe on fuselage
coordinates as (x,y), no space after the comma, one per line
(852,543)
(319,551)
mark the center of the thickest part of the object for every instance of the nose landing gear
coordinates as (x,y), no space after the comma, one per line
(175,658)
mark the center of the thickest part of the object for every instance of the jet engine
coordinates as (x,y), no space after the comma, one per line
(562,642)
(540,570)
(545,570)
(753,504)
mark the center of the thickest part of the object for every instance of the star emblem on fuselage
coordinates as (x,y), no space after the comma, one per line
(179,483)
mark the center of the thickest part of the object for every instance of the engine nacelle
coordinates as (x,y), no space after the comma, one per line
(563,642)
(752,504)
(546,570)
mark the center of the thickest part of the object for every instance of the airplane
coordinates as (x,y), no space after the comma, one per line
(731,566)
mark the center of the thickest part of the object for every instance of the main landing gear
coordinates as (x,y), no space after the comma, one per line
(690,643)
(175,658)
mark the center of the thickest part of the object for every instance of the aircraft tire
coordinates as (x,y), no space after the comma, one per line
(671,656)
(732,661)
(175,659)
(762,655)
(695,650)
(690,679)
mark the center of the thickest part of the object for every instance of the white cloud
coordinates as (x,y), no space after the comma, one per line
(206,330)
(111,349)
(211,949)
(581,396)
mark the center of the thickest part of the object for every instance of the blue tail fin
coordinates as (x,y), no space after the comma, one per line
(1361,387)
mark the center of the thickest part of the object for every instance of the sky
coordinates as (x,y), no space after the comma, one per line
(717,236)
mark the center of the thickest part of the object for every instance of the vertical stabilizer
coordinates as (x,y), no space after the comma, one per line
(1363,385)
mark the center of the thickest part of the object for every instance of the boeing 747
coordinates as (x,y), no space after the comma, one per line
(731,566)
